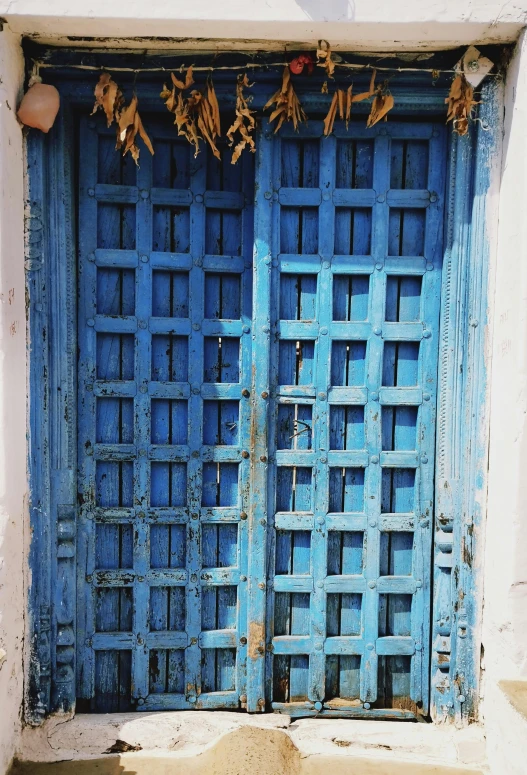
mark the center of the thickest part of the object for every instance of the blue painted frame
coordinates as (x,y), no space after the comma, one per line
(51,297)
(460,480)
(463,418)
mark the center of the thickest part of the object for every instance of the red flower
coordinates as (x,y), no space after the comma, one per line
(297,65)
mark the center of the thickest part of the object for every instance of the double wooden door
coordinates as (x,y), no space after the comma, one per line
(257,389)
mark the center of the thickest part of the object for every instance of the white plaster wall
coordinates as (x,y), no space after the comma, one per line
(505,585)
(13,483)
(505,620)
(352,24)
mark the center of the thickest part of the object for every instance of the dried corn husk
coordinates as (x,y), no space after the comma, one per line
(197,115)
(244,122)
(129,125)
(288,107)
(108,97)
(460,102)
(341,104)
(324,57)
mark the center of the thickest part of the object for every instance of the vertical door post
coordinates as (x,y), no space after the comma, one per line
(258,509)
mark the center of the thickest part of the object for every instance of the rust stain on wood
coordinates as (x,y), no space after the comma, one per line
(256,640)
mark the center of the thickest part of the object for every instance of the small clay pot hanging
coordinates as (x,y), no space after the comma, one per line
(40,104)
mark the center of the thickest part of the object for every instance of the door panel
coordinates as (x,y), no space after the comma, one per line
(256,480)
(164,316)
(351,258)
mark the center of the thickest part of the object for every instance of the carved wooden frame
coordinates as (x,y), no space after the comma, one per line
(463,418)
(52,459)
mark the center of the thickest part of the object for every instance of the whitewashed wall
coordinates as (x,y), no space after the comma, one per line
(352,24)
(505,589)
(13,487)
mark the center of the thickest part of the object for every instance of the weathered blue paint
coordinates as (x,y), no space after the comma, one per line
(50,267)
(462,438)
(355,249)
(38,459)
(164,366)
(259,439)
(136,658)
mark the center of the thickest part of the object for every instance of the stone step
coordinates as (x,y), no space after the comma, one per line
(205,743)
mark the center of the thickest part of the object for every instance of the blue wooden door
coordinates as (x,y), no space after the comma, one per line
(349,238)
(256,478)
(165,286)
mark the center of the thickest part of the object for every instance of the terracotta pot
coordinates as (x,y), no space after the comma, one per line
(39,106)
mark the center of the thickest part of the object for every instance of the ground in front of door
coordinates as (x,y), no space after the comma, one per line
(222,743)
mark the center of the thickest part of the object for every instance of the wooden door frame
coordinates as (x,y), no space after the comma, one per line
(463,407)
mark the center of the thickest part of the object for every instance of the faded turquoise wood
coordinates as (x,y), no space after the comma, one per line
(463,419)
(355,249)
(319,427)
(164,369)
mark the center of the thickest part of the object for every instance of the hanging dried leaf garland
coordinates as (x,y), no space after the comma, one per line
(383,101)
(177,104)
(288,107)
(341,102)
(130,125)
(109,97)
(244,123)
(343,99)
(365,95)
(381,105)
(460,102)
(324,57)
(212,100)
(330,118)
(208,115)
(197,116)
(187,83)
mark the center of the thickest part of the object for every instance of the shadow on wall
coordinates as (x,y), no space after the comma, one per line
(328,10)
(242,751)
(106,766)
